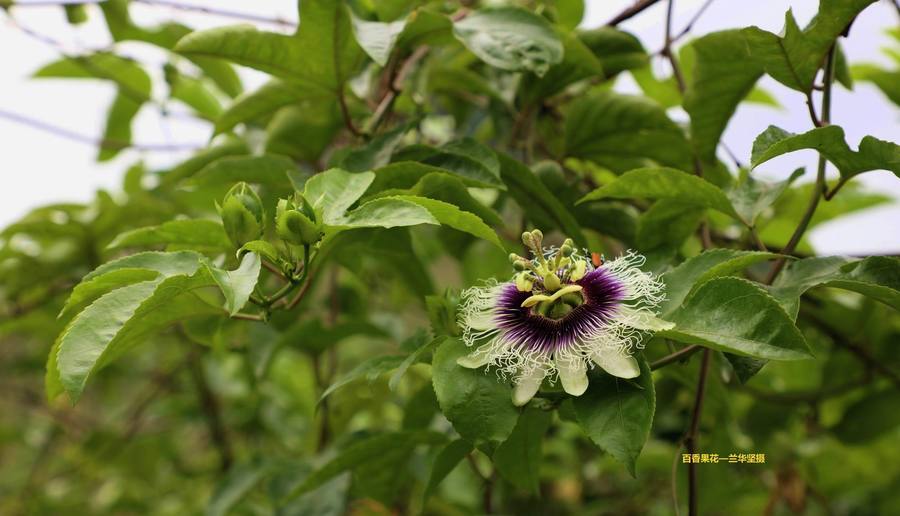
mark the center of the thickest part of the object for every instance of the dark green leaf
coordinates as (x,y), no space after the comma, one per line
(189,233)
(477,403)
(447,459)
(617,414)
(518,458)
(738,316)
(510,38)
(870,417)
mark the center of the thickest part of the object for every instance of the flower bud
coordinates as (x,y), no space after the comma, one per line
(242,214)
(297,222)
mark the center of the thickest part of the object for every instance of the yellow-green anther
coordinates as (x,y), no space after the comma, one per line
(577,270)
(551,281)
(520,265)
(566,250)
(537,298)
(528,240)
(524,282)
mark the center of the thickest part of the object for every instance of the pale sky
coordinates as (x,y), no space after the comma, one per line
(40,168)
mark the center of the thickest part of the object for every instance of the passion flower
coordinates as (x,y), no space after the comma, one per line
(560,315)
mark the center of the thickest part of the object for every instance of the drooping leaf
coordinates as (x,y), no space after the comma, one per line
(750,196)
(369,370)
(377,39)
(737,316)
(477,404)
(617,414)
(237,285)
(447,459)
(622,132)
(528,191)
(877,277)
(722,77)
(873,154)
(256,105)
(472,161)
(239,481)
(665,183)
(694,272)
(510,38)
(518,458)
(451,216)
(359,453)
(869,418)
(794,59)
(322,54)
(387,212)
(188,233)
(888,81)
(121,319)
(269,169)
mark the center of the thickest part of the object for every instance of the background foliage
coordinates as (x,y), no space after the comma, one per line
(225,363)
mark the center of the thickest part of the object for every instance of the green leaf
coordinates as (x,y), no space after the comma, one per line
(477,404)
(266,100)
(869,418)
(873,154)
(665,183)
(189,167)
(472,161)
(723,76)
(794,59)
(617,50)
(196,93)
(304,130)
(664,227)
(447,188)
(269,169)
(362,452)
(451,216)
(127,74)
(578,63)
(335,190)
(121,319)
(518,458)
(751,197)
(237,285)
(617,414)
(694,272)
(888,81)
(510,38)
(413,358)
(533,196)
(447,459)
(377,152)
(235,486)
(88,290)
(622,132)
(189,233)
(166,264)
(738,316)
(117,131)
(387,212)
(370,370)
(322,54)
(877,277)
(377,39)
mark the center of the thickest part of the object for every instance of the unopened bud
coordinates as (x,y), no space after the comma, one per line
(297,223)
(242,214)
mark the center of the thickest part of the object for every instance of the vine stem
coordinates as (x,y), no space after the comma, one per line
(820,187)
(675,357)
(691,439)
(631,12)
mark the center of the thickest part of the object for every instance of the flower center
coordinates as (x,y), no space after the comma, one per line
(558,308)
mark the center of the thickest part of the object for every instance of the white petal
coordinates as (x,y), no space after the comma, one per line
(527,386)
(479,357)
(617,363)
(480,321)
(643,320)
(573,374)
